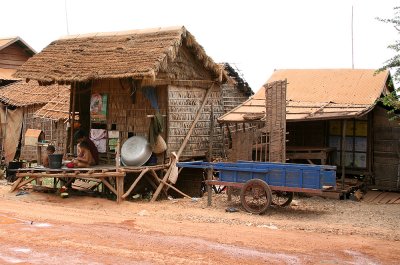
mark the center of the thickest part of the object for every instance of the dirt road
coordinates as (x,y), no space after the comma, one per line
(39,228)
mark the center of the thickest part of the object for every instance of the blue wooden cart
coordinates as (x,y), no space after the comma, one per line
(266,183)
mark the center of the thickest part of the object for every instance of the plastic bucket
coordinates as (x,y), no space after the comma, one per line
(55,160)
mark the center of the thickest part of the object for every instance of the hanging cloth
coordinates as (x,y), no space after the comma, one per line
(150,93)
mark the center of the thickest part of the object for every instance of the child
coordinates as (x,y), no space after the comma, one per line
(49,151)
(85,158)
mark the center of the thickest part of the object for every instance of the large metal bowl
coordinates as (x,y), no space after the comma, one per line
(135,151)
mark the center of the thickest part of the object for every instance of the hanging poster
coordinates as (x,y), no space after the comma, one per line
(98,107)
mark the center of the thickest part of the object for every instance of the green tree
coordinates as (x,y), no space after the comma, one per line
(393,63)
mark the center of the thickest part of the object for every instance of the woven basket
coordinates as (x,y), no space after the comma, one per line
(160,145)
(253,116)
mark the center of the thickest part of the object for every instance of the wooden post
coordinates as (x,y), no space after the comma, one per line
(196,119)
(210,147)
(72,120)
(343,151)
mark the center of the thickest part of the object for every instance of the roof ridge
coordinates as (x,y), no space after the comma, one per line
(123,33)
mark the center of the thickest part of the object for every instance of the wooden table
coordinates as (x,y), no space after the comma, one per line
(103,173)
(310,152)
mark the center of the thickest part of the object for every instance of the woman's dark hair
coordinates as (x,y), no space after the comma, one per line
(79,134)
(84,144)
(51,148)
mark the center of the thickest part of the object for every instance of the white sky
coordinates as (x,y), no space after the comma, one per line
(257,36)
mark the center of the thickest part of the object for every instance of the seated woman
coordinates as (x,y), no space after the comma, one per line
(85,158)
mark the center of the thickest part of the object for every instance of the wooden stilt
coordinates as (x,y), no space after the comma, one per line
(15,184)
(135,183)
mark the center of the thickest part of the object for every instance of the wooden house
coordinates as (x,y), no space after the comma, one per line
(13,53)
(30,106)
(334,116)
(120,80)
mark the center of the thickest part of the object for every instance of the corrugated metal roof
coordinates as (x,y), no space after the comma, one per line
(353,86)
(319,94)
(5,42)
(6,74)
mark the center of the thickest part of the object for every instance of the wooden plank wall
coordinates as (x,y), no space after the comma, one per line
(56,132)
(386,150)
(182,109)
(13,56)
(129,116)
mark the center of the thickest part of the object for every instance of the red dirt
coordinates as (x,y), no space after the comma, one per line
(39,228)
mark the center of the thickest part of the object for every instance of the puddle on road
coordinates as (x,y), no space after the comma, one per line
(6,220)
(22,250)
(41,224)
(11,260)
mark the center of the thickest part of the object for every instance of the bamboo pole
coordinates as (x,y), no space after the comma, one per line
(126,194)
(343,153)
(210,170)
(72,120)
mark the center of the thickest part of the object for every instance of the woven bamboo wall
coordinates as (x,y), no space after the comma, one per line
(129,116)
(233,97)
(55,133)
(182,109)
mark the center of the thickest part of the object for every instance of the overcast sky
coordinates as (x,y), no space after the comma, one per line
(256,36)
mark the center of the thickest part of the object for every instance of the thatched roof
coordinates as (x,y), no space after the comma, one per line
(57,108)
(319,94)
(137,54)
(237,78)
(21,94)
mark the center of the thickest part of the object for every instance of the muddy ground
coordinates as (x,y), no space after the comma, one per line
(41,228)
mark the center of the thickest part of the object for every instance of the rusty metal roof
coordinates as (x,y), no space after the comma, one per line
(7,74)
(320,94)
(5,42)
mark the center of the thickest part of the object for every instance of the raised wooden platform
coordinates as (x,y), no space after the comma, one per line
(100,174)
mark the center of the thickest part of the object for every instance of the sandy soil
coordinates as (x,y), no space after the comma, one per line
(40,228)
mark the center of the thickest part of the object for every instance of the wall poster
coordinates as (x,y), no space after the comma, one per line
(98,107)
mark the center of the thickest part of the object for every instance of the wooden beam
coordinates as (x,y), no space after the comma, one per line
(126,194)
(196,119)
(105,182)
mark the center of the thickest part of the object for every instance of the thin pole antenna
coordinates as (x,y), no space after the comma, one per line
(352,40)
(66,15)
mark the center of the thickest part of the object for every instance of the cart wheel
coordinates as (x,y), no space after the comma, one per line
(282,198)
(256,196)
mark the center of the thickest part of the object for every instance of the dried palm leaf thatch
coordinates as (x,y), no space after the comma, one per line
(139,54)
(31,93)
(57,108)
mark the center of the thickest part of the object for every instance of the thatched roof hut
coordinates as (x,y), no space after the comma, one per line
(137,54)
(21,104)
(137,74)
